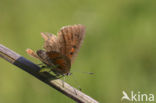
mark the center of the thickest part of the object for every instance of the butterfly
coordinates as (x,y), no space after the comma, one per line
(59,51)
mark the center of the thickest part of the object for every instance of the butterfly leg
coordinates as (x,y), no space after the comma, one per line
(44,68)
(42,65)
(63,81)
(64,85)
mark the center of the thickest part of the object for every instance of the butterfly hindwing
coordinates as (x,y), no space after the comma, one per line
(51,42)
(61,62)
(58,62)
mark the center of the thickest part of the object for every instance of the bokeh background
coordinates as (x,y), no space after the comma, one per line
(119,47)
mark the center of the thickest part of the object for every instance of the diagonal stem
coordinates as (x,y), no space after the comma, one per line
(45,77)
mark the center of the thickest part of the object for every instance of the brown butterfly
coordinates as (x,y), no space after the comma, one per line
(59,51)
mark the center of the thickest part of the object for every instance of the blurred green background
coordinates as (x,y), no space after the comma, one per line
(119,47)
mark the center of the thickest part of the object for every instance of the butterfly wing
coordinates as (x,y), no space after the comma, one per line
(54,57)
(61,62)
(32,53)
(51,42)
(39,54)
(70,39)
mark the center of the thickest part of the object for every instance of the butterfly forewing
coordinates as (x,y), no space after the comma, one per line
(70,39)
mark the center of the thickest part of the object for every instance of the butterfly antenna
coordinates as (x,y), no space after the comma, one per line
(90,73)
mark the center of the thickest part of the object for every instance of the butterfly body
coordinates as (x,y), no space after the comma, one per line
(59,51)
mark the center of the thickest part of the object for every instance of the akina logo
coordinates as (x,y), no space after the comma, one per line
(137,97)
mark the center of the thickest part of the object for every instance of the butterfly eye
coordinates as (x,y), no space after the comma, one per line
(71,53)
